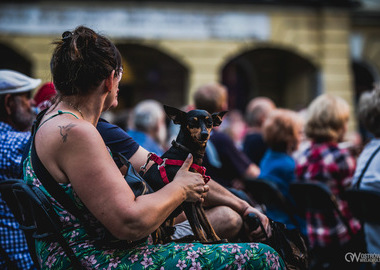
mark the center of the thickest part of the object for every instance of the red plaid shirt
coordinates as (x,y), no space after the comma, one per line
(326,163)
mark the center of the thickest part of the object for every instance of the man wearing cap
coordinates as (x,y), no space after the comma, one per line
(16,119)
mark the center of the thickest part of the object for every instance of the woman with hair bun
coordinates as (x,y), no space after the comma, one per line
(86,69)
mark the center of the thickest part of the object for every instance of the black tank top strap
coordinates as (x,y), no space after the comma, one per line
(44,176)
(54,115)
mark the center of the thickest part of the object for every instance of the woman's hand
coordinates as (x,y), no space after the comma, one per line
(258,235)
(192,183)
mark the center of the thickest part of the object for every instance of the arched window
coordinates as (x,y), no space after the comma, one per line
(10,59)
(151,74)
(290,80)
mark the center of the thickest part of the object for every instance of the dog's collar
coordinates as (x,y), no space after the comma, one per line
(180,146)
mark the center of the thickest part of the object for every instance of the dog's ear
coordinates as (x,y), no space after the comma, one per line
(217,118)
(174,114)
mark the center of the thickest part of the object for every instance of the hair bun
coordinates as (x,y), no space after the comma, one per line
(66,36)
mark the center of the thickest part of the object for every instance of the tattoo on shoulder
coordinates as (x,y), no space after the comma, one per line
(63,130)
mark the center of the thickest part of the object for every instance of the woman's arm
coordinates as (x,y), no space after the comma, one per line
(89,167)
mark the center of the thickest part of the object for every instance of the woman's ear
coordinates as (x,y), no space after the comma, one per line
(110,81)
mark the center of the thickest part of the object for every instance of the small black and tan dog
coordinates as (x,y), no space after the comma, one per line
(195,128)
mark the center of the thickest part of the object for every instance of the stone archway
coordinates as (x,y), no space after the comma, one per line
(10,59)
(151,74)
(364,80)
(289,79)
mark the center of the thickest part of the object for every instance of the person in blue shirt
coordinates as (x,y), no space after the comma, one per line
(257,111)
(282,132)
(16,118)
(149,126)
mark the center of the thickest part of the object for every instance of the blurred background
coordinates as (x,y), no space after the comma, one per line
(287,50)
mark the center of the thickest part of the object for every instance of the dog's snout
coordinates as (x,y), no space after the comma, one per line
(204,135)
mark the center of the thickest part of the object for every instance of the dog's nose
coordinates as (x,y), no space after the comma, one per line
(204,136)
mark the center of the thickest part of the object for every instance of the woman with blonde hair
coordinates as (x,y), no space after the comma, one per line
(323,161)
(327,119)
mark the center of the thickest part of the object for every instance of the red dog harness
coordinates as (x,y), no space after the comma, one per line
(163,162)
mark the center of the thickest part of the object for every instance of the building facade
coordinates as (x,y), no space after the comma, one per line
(290,52)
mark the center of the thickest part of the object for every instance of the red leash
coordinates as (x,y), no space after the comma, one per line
(163,162)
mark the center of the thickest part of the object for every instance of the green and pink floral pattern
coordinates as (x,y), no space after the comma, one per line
(144,256)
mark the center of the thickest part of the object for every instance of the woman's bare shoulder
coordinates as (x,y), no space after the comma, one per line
(66,130)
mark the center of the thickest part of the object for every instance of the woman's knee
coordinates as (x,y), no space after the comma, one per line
(226,222)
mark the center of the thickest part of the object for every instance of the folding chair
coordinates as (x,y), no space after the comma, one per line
(316,196)
(11,201)
(362,202)
(37,217)
(268,195)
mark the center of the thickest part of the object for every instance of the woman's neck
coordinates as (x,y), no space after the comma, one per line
(87,108)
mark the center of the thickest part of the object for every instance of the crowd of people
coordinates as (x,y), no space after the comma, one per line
(77,146)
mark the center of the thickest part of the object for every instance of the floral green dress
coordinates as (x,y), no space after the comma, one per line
(146,255)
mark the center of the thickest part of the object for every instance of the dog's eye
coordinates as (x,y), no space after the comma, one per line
(193,123)
(209,123)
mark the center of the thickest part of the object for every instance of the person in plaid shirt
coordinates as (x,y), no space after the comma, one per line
(324,161)
(16,118)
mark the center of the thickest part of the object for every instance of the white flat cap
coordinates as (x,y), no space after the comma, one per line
(12,82)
